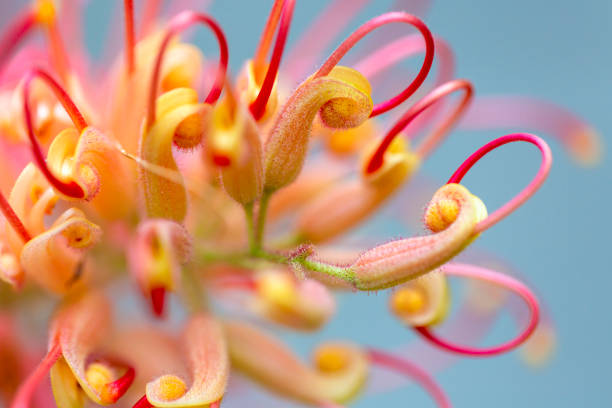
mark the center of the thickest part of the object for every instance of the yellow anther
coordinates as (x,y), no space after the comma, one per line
(408,300)
(277,288)
(45,12)
(98,375)
(351,77)
(189,132)
(441,214)
(336,111)
(399,162)
(331,359)
(79,234)
(171,387)
(178,76)
(351,140)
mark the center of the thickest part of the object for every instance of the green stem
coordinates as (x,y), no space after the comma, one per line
(248,211)
(261,220)
(332,270)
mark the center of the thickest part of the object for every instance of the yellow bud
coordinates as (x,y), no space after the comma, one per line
(330,358)
(277,288)
(171,387)
(45,12)
(98,375)
(408,300)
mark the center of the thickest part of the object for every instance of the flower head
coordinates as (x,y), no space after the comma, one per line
(218,199)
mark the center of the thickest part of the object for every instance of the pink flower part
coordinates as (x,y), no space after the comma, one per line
(320,33)
(401,260)
(494,112)
(475,272)
(413,372)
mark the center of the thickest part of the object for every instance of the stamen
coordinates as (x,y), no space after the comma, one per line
(258,107)
(71,189)
(527,192)
(475,272)
(405,47)
(150,14)
(412,371)
(13,219)
(128,5)
(177,24)
(59,56)
(14,34)
(434,138)
(366,28)
(328,24)
(28,387)
(158,298)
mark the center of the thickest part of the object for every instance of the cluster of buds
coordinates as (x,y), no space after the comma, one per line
(231,203)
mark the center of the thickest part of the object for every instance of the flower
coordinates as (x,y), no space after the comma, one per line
(133,172)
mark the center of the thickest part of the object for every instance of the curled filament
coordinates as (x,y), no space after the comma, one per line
(502,280)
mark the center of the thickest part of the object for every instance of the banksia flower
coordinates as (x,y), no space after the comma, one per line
(126,180)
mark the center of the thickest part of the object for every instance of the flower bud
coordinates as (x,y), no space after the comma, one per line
(343,100)
(180,119)
(453,212)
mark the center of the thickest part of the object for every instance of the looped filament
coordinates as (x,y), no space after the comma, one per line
(434,138)
(71,189)
(527,192)
(471,271)
(177,24)
(366,28)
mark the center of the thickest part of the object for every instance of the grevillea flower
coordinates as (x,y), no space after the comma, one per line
(230,199)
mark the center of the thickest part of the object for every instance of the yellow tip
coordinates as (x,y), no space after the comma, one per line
(277,288)
(171,387)
(331,358)
(98,375)
(441,214)
(45,12)
(408,300)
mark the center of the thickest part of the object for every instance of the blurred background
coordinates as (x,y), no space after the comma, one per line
(558,50)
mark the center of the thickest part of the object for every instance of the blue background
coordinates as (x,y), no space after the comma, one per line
(557,50)
(554,49)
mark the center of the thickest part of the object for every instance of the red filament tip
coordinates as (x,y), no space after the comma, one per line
(71,189)
(143,403)
(258,107)
(120,386)
(158,300)
(441,130)
(371,25)
(179,23)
